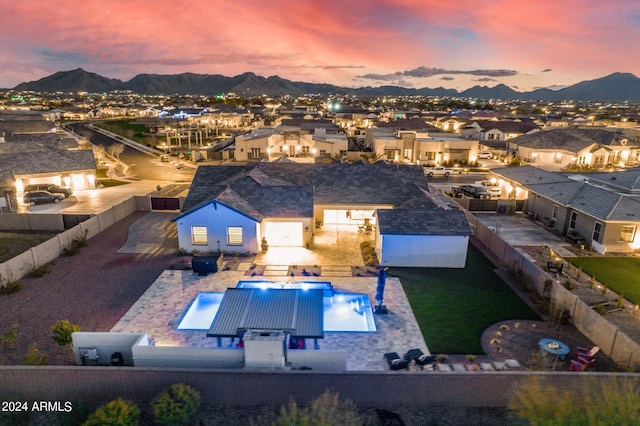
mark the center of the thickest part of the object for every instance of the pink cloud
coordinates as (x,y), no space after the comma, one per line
(331,41)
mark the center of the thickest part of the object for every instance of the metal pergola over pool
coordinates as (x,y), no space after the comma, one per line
(299,313)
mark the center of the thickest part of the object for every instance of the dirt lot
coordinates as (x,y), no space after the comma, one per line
(15,243)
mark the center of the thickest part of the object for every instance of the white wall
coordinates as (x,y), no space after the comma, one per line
(422,251)
(106,344)
(217,219)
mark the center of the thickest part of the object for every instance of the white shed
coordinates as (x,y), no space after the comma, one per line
(421,238)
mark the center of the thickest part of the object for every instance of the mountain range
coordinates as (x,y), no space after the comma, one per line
(615,87)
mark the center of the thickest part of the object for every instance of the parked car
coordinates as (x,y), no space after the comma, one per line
(49,187)
(475,191)
(493,188)
(457,191)
(41,197)
(487,155)
(437,171)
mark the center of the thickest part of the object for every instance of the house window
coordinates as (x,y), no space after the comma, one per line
(199,235)
(627,233)
(554,213)
(255,152)
(323,152)
(430,156)
(292,150)
(390,154)
(597,229)
(305,149)
(572,222)
(234,235)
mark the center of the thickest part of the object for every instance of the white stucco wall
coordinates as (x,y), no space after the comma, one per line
(422,251)
(217,219)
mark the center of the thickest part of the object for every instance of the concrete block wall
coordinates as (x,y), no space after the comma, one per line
(613,342)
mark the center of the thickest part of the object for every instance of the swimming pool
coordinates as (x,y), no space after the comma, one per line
(343,312)
(201,312)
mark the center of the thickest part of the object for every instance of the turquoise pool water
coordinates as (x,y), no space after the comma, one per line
(343,312)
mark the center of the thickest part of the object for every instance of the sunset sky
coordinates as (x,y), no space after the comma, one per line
(354,43)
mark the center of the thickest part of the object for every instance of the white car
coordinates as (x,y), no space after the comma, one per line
(485,155)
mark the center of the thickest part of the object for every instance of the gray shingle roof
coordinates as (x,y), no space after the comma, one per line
(48,161)
(526,175)
(627,180)
(337,183)
(423,222)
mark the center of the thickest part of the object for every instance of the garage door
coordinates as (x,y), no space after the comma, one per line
(284,234)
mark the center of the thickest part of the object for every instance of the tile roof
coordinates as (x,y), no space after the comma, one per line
(423,222)
(626,180)
(261,190)
(565,139)
(48,161)
(595,201)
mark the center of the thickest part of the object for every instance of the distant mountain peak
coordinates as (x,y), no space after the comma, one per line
(619,86)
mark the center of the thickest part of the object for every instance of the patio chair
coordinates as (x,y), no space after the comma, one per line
(421,359)
(581,364)
(395,362)
(588,353)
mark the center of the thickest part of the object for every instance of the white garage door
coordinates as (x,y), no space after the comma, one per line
(284,234)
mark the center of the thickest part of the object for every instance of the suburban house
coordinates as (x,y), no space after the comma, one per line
(240,208)
(594,148)
(302,142)
(494,130)
(597,210)
(419,146)
(47,158)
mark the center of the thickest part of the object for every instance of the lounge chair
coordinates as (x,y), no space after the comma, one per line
(395,362)
(421,359)
(581,364)
(588,353)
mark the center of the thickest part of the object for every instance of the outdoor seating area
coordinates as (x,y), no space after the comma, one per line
(420,359)
(395,362)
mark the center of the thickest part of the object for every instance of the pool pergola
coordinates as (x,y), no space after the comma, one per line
(298,313)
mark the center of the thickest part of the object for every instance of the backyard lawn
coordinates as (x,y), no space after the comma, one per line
(454,306)
(620,274)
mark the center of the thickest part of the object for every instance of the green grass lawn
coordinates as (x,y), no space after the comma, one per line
(454,306)
(620,274)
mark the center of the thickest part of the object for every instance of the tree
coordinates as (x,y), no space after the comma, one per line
(62,332)
(371,157)
(115,150)
(177,405)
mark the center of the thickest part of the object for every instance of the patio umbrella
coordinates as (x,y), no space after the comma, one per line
(382,278)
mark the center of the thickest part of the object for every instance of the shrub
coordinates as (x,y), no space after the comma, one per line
(326,410)
(40,271)
(35,357)
(62,332)
(117,413)
(177,405)
(11,288)
(605,402)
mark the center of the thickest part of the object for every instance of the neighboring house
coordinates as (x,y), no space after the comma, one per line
(33,161)
(596,148)
(232,209)
(302,142)
(602,209)
(504,130)
(420,146)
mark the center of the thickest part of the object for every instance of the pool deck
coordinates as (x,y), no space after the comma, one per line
(159,310)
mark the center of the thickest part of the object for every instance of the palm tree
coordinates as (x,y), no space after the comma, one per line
(371,157)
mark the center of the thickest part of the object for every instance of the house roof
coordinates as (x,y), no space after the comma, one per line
(294,311)
(423,222)
(626,180)
(595,201)
(275,189)
(507,126)
(565,139)
(48,161)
